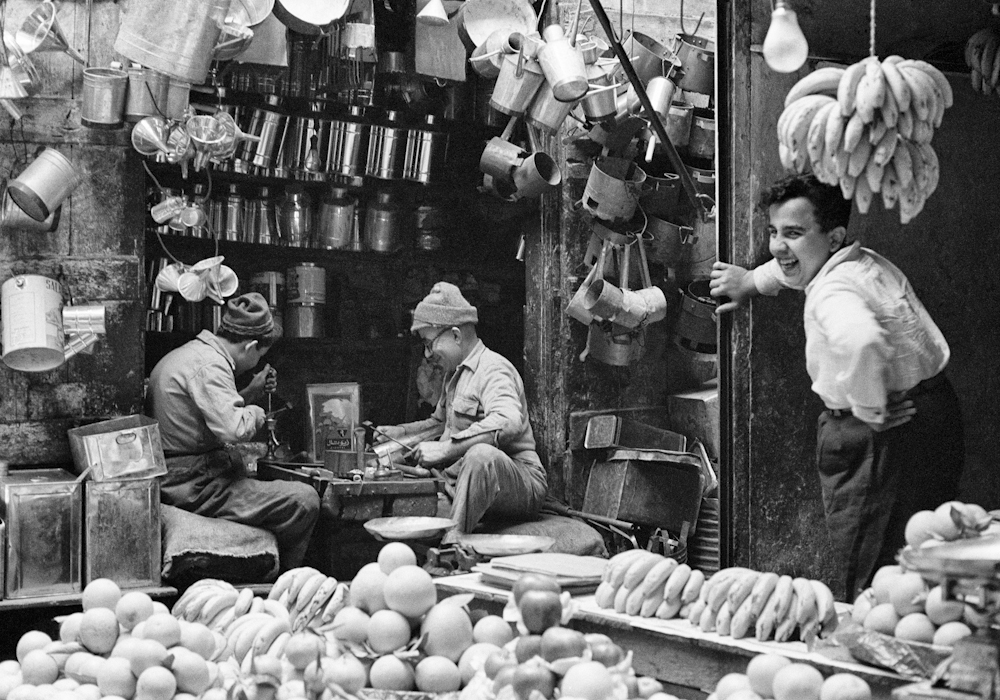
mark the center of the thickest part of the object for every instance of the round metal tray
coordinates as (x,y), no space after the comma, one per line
(506,545)
(978,558)
(408,527)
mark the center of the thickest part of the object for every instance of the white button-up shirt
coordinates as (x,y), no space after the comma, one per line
(867,333)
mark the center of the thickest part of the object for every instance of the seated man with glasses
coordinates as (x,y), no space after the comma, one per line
(486,453)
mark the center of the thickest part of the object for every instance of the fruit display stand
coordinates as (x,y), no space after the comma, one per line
(675,651)
(71,600)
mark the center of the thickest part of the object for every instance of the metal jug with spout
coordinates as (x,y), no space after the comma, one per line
(336,219)
(295,217)
(268,124)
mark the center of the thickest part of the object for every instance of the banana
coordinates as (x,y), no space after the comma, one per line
(783,592)
(302,575)
(854,131)
(987,55)
(932,165)
(266,635)
(657,578)
(243,601)
(707,620)
(684,610)
(338,600)
(897,86)
(308,590)
(789,611)
(240,622)
(824,599)
(224,619)
(677,582)
(805,600)
(834,134)
(815,137)
(739,591)
(863,194)
(859,158)
(841,159)
(720,591)
(873,175)
(216,605)
(743,619)
(905,124)
(941,80)
(319,600)
(617,576)
(278,647)
(189,594)
(911,202)
(993,77)
(848,86)
(668,609)
(633,603)
(697,608)
(243,641)
(886,147)
(604,596)
(638,570)
(871,92)
(256,605)
(799,128)
(621,559)
(281,584)
(785,156)
(923,132)
(621,596)
(275,609)
(821,81)
(974,46)
(692,588)
(902,162)
(785,629)
(921,90)
(651,604)
(723,619)
(761,592)
(890,186)
(918,168)
(890,110)
(876,130)
(847,186)
(192,610)
(764,627)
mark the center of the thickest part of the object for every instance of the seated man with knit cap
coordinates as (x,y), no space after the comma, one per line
(192,394)
(487,451)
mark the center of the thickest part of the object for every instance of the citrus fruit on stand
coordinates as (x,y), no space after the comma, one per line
(394,555)
(797,681)
(761,670)
(101,593)
(437,674)
(409,590)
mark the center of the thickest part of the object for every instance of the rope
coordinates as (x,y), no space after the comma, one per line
(871,30)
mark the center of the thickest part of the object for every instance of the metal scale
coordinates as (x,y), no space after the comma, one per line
(968,571)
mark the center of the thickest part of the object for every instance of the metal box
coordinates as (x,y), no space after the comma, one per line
(122,532)
(120,448)
(43,512)
(3,548)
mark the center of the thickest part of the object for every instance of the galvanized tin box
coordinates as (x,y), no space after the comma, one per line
(120,448)
(43,509)
(122,532)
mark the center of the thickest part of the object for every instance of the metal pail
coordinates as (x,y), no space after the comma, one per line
(613,189)
(547,112)
(44,184)
(303,320)
(696,327)
(148,92)
(668,240)
(32,323)
(660,194)
(678,123)
(697,56)
(649,57)
(704,180)
(13,218)
(702,141)
(102,103)
(177,38)
(520,78)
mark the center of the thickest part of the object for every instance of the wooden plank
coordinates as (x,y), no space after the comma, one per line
(438,51)
(52,601)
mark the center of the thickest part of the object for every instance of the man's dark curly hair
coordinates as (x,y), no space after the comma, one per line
(832,210)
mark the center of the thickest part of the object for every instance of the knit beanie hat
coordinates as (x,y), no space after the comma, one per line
(248,315)
(444,306)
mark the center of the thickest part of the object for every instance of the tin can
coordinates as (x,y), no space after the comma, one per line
(303,320)
(32,323)
(306,284)
(122,533)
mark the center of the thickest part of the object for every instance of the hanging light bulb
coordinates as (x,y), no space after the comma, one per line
(785,47)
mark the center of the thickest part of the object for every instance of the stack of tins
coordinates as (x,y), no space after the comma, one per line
(306,299)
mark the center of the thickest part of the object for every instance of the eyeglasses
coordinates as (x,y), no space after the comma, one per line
(429,343)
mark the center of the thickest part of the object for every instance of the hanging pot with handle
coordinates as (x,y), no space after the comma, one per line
(697,57)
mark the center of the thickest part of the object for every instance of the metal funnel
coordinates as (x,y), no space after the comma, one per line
(207,135)
(40,31)
(149,136)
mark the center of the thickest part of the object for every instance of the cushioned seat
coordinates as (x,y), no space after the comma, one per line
(196,547)
(572,536)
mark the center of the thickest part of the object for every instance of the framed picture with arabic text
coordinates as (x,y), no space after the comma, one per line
(334,412)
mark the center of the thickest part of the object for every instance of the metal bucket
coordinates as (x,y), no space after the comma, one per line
(102,103)
(563,65)
(616,345)
(660,194)
(613,189)
(696,327)
(704,247)
(177,38)
(520,78)
(697,56)
(702,141)
(704,180)
(268,125)
(306,284)
(31,308)
(13,218)
(678,123)
(667,241)
(147,94)
(44,184)
(547,112)
(649,57)
(178,99)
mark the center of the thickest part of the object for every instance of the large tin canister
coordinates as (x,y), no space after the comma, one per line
(348,144)
(386,149)
(176,38)
(102,104)
(122,532)
(306,284)
(303,320)
(696,324)
(147,94)
(697,56)
(31,316)
(43,512)
(426,152)
(268,124)
(44,184)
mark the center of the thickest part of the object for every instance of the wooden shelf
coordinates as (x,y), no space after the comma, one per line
(70,599)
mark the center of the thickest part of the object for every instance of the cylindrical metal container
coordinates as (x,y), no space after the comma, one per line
(348,144)
(295,217)
(384,225)
(696,327)
(267,229)
(268,124)
(386,149)
(233,216)
(426,152)
(660,194)
(519,80)
(302,155)
(31,308)
(306,284)
(176,38)
(303,320)
(44,184)
(178,99)
(697,56)
(102,103)
(702,141)
(270,284)
(336,219)
(147,94)
(704,180)
(546,112)
(678,123)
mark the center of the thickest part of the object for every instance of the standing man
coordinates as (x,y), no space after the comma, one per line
(192,394)
(487,450)
(890,440)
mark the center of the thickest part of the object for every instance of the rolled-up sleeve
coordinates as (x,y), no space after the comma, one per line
(224,411)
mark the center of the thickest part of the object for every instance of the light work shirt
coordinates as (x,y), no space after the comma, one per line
(485,394)
(192,394)
(867,333)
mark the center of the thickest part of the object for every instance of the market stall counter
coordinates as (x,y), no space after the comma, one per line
(674,651)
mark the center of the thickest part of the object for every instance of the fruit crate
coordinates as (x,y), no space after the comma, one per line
(378,694)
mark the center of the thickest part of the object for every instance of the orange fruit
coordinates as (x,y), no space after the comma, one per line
(198,638)
(589,680)
(845,686)
(69,628)
(133,608)
(163,628)
(950,632)
(920,527)
(474,658)
(100,593)
(944,524)
(145,653)
(190,671)
(915,627)
(409,590)
(941,611)
(745,694)
(388,631)
(436,674)
(99,630)
(761,670)
(448,630)
(908,593)
(115,677)
(862,604)
(366,588)
(347,672)
(30,641)
(9,667)
(394,555)
(797,681)
(88,691)
(303,648)
(37,668)
(882,581)
(8,682)
(730,683)
(391,673)
(155,683)
(882,618)
(350,624)
(160,607)
(493,629)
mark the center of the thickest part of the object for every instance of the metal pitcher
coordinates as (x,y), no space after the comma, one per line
(348,144)
(336,219)
(697,56)
(426,152)
(268,125)
(520,78)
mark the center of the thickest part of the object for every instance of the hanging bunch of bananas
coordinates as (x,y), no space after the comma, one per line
(983,59)
(868,128)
